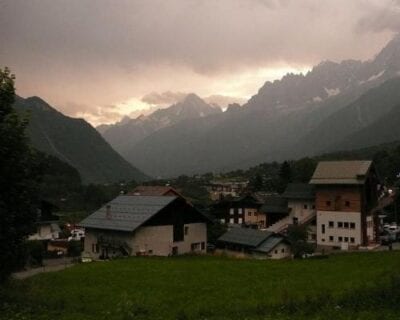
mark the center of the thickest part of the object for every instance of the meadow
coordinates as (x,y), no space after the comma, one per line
(343,286)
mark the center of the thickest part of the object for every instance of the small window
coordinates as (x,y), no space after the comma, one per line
(97,248)
(346,225)
(340,224)
(331,225)
(340,239)
(328,203)
(313,206)
(249,213)
(283,251)
(231,211)
(323,228)
(255,214)
(314,236)
(231,220)
(347,204)
(323,240)
(240,221)
(240,210)
(352,225)
(203,245)
(331,238)
(346,239)
(352,240)
(276,251)
(186,231)
(150,252)
(305,206)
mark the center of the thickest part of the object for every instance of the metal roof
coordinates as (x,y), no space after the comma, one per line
(152,191)
(127,213)
(269,244)
(244,236)
(299,191)
(341,172)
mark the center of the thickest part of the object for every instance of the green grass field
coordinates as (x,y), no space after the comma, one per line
(345,286)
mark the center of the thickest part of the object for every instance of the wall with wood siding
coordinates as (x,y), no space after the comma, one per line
(337,196)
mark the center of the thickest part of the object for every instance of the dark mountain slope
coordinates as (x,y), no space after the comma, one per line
(75,142)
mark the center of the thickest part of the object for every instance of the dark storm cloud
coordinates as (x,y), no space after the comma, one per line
(100,52)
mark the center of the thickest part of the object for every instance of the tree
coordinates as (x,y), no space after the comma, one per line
(18,172)
(297,236)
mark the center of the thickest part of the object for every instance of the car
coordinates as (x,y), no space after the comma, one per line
(385,238)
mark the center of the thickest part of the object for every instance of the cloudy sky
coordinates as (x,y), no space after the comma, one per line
(100,59)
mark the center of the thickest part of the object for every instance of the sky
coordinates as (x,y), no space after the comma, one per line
(102,59)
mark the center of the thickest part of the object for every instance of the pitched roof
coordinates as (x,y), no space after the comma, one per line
(152,191)
(341,172)
(244,236)
(299,191)
(127,213)
(275,204)
(270,243)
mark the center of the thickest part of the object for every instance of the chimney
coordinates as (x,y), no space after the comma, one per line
(108,211)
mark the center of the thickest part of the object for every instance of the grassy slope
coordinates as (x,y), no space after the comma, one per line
(201,287)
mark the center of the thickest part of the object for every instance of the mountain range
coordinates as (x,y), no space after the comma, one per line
(332,107)
(75,142)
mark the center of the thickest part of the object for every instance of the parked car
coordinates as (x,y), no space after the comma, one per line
(385,238)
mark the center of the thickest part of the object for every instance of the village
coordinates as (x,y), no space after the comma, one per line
(342,208)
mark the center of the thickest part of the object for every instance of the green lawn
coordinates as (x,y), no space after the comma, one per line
(340,287)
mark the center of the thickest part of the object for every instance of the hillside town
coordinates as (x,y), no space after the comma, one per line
(342,208)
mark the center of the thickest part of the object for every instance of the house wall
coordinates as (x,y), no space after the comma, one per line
(338,198)
(323,219)
(301,209)
(149,240)
(281,251)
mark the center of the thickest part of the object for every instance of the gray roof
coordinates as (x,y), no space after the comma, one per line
(341,172)
(127,213)
(275,204)
(244,236)
(299,191)
(269,244)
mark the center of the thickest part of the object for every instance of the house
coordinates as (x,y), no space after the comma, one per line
(245,242)
(46,225)
(221,189)
(346,194)
(154,191)
(144,225)
(301,204)
(274,209)
(240,211)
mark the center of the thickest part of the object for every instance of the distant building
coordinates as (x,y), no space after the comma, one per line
(242,211)
(275,209)
(346,194)
(301,204)
(144,225)
(221,189)
(47,227)
(245,242)
(154,191)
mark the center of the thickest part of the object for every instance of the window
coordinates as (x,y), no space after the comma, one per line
(352,240)
(323,240)
(276,251)
(352,225)
(340,224)
(305,206)
(282,250)
(331,225)
(340,239)
(240,221)
(240,210)
(231,211)
(314,236)
(203,245)
(195,246)
(313,206)
(347,204)
(331,238)
(186,231)
(249,213)
(328,203)
(346,239)
(150,252)
(322,228)
(231,220)
(222,220)
(255,214)
(346,225)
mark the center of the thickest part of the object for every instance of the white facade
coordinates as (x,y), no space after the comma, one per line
(337,228)
(147,240)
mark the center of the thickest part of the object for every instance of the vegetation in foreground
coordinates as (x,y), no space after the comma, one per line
(343,286)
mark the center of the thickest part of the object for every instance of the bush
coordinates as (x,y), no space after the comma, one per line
(36,252)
